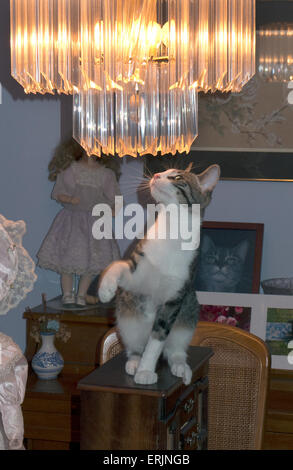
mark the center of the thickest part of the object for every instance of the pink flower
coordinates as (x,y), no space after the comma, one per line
(231,321)
(221,319)
(207,316)
(239,310)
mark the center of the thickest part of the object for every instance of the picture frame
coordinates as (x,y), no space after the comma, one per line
(244,242)
(241,165)
(235,165)
(259,305)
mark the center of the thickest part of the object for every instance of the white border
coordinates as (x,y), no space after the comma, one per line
(259,304)
(239,149)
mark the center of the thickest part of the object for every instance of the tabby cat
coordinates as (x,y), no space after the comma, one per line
(156,304)
(221,268)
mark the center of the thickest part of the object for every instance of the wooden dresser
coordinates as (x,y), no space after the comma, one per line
(279,418)
(51,408)
(118,414)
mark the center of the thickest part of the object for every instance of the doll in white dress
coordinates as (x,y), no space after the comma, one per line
(69,247)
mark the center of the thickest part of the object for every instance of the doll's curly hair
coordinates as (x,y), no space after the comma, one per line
(69,151)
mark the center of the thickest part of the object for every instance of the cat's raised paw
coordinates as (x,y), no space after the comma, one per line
(182,370)
(107,289)
(132,365)
(145,377)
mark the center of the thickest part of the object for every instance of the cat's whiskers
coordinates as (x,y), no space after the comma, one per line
(134,182)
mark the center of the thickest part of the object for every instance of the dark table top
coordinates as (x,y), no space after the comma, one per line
(112,377)
(53,308)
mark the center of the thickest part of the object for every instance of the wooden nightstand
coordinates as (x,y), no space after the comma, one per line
(51,408)
(117,414)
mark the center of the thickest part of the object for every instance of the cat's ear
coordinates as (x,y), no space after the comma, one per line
(209,178)
(189,168)
(242,249)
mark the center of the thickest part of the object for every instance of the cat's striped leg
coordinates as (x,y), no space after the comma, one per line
(180,336)
(175,352)
(165,319)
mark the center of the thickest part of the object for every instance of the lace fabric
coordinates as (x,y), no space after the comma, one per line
(17,269)
(8,262)
(17,277)
(13,376)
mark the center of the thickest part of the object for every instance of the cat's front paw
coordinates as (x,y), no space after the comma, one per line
(132,365)
(182,370)
(107,289)
(145,377)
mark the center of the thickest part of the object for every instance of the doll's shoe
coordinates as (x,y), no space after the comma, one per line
(80,301)
(68,299)
(92,299)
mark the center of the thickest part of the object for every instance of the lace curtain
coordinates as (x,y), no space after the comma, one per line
(17,269)
(17,277)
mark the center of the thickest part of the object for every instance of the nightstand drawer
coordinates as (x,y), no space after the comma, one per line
(47,426)
(48,406)
(185,398)
(188,436)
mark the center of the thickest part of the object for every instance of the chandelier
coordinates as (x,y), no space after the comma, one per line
(142,94)
(275,52)
(45,45)
(134,67)
(224,35)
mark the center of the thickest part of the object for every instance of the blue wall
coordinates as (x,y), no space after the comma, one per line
(30,128)
(269,203)
(29,131)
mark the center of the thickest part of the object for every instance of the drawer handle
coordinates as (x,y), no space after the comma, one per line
(190,440)
(188,406)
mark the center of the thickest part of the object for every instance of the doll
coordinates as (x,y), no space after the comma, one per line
(69,247)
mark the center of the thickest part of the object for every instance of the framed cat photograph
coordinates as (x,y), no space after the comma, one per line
(230,257)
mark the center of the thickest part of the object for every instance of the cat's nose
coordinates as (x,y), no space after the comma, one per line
(157,176)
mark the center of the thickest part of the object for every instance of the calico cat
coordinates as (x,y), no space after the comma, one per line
(156,304)
(221,268)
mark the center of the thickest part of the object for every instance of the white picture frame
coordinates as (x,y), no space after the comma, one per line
(259,304)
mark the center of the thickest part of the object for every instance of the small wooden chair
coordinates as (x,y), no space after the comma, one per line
(110,346)
(238,383)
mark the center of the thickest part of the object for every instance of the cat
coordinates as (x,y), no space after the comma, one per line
(156,303)
(221,268)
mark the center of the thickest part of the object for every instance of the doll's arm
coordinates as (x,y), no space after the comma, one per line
(64,199)
(64,188)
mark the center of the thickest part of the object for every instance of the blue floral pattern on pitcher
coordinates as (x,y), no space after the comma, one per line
(46,360)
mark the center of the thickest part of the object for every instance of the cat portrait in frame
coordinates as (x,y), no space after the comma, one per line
(230,257)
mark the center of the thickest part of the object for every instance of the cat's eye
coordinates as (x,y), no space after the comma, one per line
(177,177)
